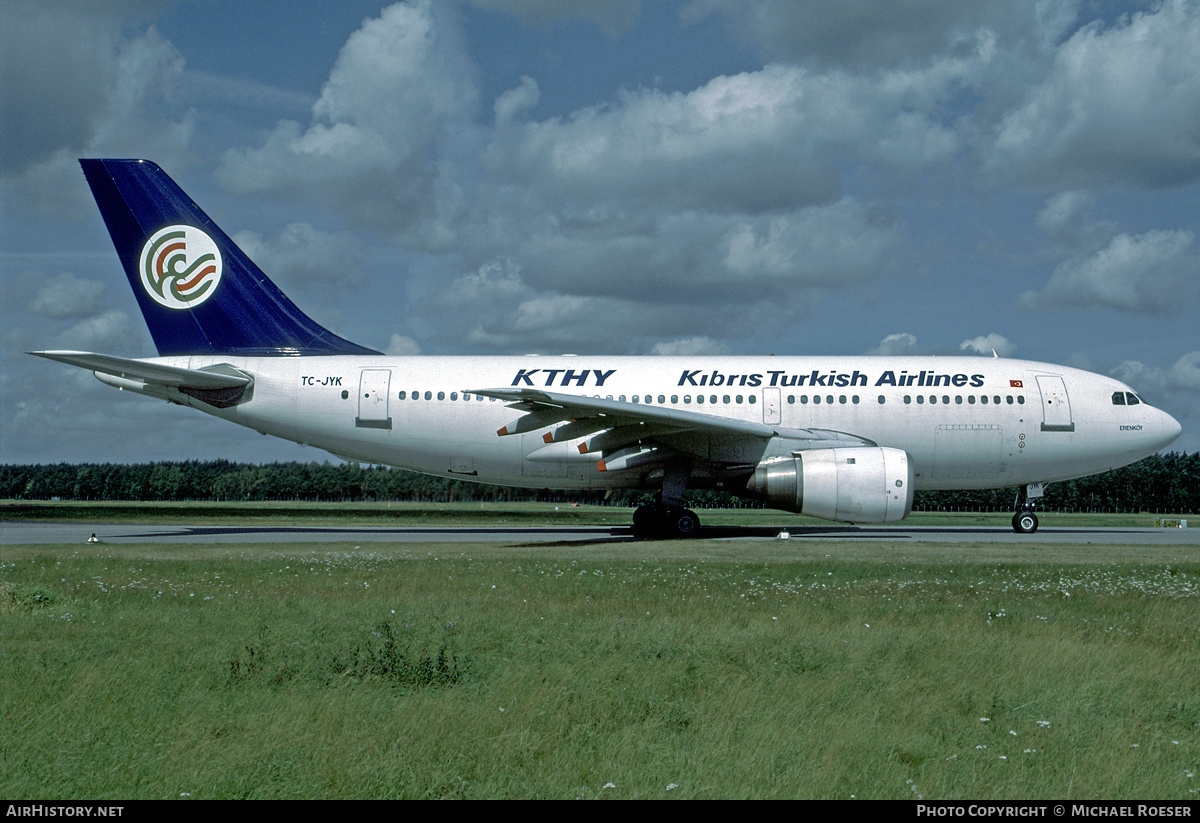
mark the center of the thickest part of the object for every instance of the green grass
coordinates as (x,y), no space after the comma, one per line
(687,669)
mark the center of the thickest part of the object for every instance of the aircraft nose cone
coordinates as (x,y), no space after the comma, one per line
(1168,429)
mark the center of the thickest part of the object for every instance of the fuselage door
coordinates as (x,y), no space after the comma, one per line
(1056,406)
(373,399)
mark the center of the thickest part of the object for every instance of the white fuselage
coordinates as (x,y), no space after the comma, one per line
(966,422)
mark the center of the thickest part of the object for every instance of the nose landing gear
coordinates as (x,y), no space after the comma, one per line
(1025,521)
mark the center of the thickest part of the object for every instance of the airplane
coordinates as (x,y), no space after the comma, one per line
(845,439)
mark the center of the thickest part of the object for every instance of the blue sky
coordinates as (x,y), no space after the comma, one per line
(697,176)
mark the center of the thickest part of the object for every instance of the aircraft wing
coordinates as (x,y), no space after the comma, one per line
(629,435)
(211,377)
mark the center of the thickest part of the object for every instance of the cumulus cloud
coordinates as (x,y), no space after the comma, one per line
(1183,376)
(51,97)
(107,93)
(512,103)
(1145,272)
(401,346)
(1062,211)
(896,344)
(749,142)
(1121,104)
(1185,373)
(303,255)
(866,35)
(497,310)
(690,346)
(987,344)
(66,295)
(110,331)
(373,151)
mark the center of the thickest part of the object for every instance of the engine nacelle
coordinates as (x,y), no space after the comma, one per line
(855,485)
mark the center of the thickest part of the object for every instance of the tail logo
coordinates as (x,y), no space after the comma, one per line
(180,267)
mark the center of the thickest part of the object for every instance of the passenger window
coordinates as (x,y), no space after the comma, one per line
(403,395)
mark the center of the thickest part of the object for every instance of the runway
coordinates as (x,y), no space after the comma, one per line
(21,533)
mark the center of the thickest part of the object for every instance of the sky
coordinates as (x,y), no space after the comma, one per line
(611,177)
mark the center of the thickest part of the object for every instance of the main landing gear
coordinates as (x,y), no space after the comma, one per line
(1025,521)
(668,518)
(662,520)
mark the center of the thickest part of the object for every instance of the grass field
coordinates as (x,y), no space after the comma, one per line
(679,669)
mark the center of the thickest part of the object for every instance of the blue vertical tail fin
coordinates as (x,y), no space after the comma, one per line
(199,293)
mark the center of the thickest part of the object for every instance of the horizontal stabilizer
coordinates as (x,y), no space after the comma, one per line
(214,377)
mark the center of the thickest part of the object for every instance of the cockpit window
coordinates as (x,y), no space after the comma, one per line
(1131,399)
(1118,398)
(1125,398)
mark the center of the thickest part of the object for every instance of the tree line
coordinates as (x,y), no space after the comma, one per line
(1166,483)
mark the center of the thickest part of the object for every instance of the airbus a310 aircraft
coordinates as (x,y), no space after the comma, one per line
(841,438)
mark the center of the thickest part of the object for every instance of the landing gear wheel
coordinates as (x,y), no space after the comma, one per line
(1025,522)
(682,522)
(660,521)
(646,520)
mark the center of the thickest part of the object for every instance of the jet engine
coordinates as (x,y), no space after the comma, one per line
(855,485)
